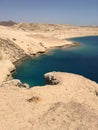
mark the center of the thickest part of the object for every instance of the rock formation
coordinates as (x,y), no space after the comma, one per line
(51,79)
(6,67)
(12,51)
(14,82)
(70,105)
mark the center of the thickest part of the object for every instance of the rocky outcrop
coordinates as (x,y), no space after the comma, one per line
(6,67)
(12,51)
(70,105)
(51,79)
(14,82)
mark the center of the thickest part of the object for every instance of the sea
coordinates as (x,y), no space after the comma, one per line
(81,59)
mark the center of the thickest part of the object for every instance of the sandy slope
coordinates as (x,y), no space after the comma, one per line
(70,105)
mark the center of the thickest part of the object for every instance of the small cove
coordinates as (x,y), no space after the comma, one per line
(81,60)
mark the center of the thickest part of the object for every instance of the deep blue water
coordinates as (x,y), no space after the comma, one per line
(82,59)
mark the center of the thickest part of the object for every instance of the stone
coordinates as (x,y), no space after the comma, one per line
(14,82)
(50,78)
(26,85)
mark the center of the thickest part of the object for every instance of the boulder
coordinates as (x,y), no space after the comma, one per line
(50,78)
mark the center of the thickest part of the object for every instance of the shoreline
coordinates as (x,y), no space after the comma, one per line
(19,61)
(38,42)
(46,51)
(74,44)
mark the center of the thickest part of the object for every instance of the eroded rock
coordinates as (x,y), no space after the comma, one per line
(12,51)
(50,78)
(14,82)
(6,67)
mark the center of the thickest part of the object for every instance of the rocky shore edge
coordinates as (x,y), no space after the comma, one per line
(67,101)
(12,67)
(22,40)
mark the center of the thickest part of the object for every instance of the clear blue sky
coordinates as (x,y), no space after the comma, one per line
(78,12)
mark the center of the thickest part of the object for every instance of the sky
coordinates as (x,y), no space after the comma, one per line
(76,12)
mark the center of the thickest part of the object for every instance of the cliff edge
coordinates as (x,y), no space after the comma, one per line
(72,104)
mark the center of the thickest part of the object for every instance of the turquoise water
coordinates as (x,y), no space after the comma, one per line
(81,60)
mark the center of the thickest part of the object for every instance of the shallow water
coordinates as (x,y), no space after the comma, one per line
(81,60)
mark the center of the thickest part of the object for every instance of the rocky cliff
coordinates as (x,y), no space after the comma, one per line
(12,50)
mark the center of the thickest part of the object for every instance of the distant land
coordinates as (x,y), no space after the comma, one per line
(11,23)
(7,23)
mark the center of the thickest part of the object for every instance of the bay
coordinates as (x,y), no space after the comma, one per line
(82,59)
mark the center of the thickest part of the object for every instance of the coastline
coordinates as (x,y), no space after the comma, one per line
(68,100)
(78,52)
(37,42)
(19,61)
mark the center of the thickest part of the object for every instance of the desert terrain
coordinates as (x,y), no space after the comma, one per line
(68,102)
